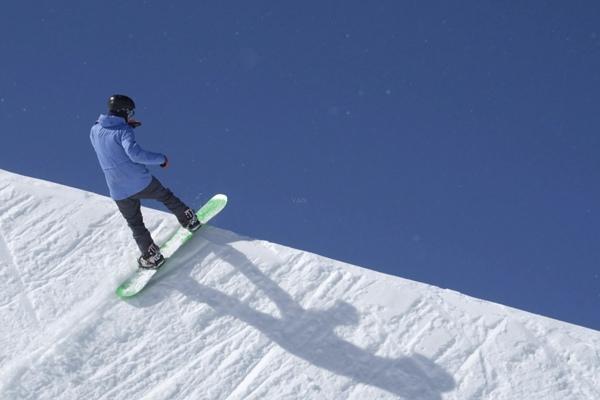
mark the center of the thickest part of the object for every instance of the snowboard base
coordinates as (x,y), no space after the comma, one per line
(140,278)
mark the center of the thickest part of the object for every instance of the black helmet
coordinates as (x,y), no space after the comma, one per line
(121,105)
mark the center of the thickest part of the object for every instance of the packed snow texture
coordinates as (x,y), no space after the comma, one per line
(232,317)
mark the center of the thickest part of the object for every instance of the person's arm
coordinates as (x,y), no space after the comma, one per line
(139,155)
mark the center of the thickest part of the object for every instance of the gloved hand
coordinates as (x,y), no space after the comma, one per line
(133,123)
(165,164)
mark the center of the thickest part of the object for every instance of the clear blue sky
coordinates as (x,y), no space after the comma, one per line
(455,143)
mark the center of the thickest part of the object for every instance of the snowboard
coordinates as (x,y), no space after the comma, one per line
(140,278)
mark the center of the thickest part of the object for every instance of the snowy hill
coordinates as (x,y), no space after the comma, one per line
(238,318)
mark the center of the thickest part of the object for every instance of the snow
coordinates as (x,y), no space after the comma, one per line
(238,318)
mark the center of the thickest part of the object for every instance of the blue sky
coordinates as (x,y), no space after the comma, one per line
(452,143)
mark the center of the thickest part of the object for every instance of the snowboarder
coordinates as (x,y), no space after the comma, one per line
(124,163)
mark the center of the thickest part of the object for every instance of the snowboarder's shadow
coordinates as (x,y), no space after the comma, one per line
(310,334)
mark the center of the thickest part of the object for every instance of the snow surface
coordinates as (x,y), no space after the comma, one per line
(238,318)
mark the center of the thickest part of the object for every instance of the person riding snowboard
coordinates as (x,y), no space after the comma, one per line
(124,164)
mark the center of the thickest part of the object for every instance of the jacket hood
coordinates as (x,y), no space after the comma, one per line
(112,121)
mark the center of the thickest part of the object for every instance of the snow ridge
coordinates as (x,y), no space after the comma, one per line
(237,318)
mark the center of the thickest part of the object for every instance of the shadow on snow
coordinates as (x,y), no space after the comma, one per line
(305,333)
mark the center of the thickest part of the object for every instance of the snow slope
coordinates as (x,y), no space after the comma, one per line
(238,318)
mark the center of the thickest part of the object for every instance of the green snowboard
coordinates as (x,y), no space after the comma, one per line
(140,278)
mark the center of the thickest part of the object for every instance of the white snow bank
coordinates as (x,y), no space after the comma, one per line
(237,318)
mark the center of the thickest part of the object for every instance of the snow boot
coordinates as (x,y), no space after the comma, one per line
(153,259)
(192,224)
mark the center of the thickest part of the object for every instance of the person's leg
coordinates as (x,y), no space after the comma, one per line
(157,191)
(130,209)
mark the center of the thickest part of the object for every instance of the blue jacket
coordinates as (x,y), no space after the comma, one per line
(123,161)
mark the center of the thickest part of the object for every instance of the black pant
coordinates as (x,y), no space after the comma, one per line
(131,210)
